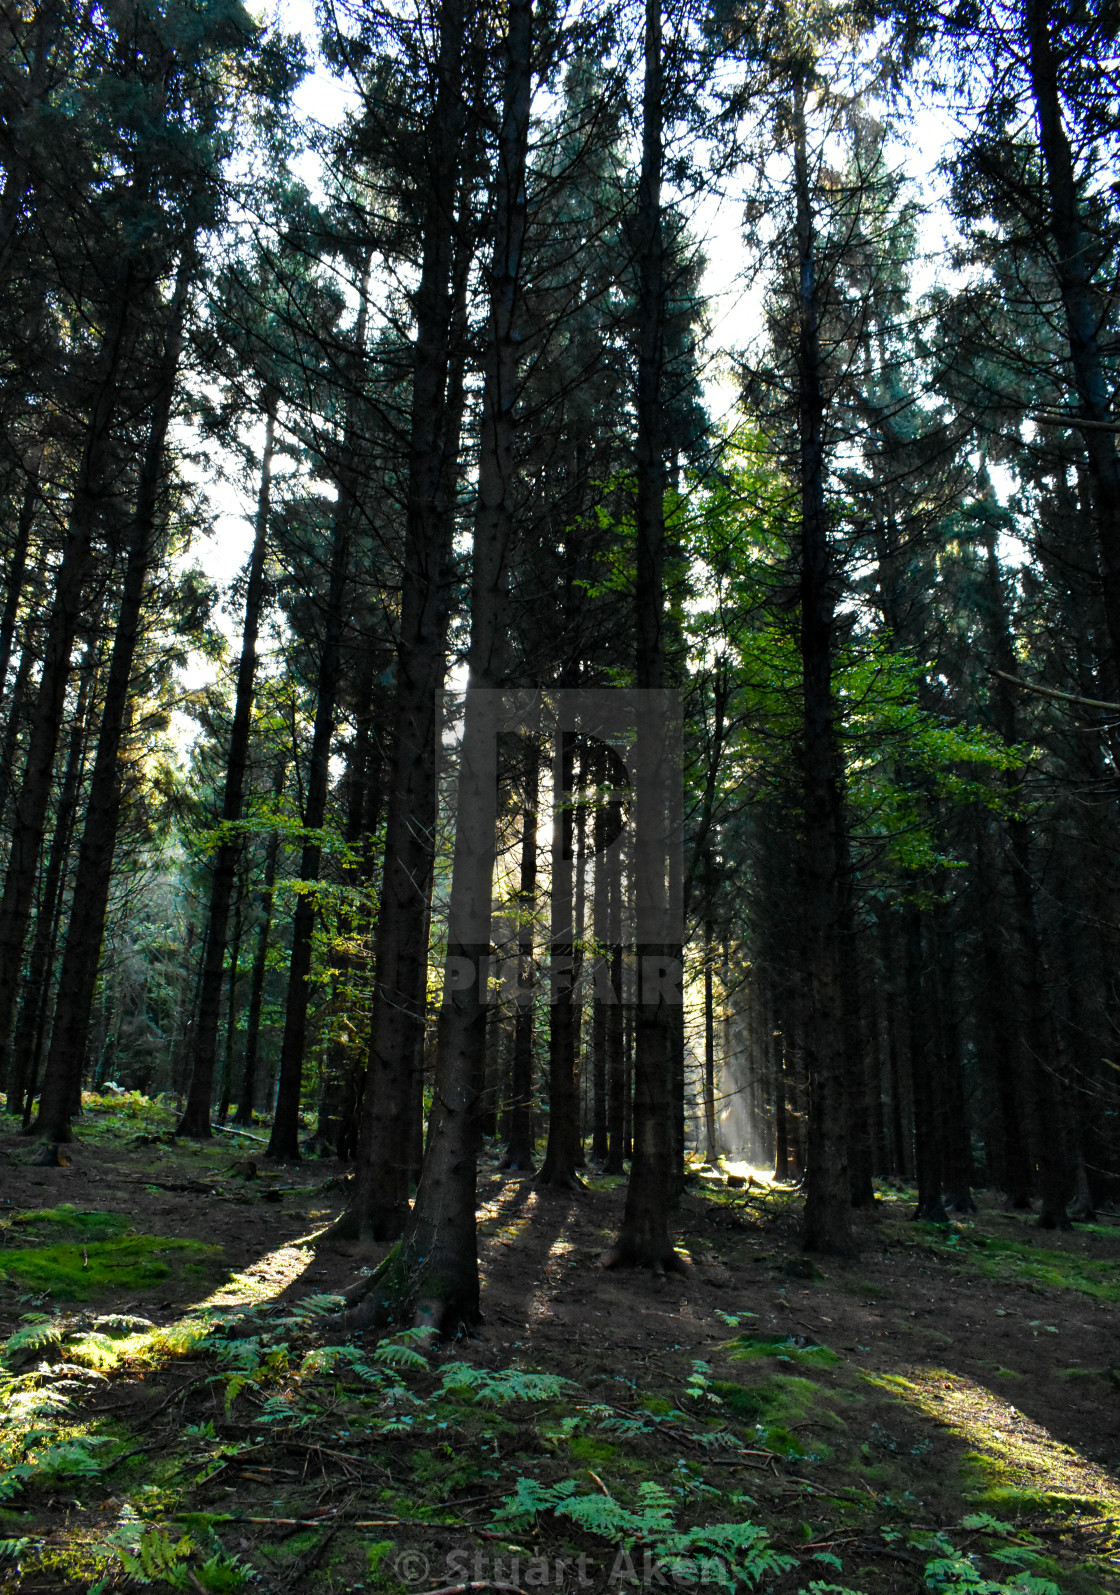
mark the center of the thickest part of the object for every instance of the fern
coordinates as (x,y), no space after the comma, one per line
(503,1386)
(959,1575)
(158,1558)
(38,1331)
(12,1550)
(400,1352)
(736,1551)
(308,1313)
(699,1386)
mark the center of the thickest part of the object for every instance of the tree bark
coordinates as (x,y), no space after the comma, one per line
(195,1121)
(17,572)
(87,505)
(439,1250)
(651,1194)
(519,1150)
(392,1096)
(22,1079)
(827,1225)
(244,1114)
(284,1141)
(1070,259)
(561,1156)
(928,1155)
(82,957)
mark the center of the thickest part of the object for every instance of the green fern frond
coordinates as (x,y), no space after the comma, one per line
(498,1388)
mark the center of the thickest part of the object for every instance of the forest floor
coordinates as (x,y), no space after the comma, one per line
(940,1413)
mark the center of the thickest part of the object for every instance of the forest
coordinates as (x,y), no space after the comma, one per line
(560,689)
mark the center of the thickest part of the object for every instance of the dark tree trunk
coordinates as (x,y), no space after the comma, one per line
(928,1152)
(284,1141)
(244,1114)
(781,1112)
(1070,259)
(393,1094)
(439,1249)
(439,1282)
(519,1151)
(93,878)
(23,1081)
(1038,1038)
(859,1125)
(617,1074)
(340,1099)
(67,608)
(644,1238)
(226,1090)
(196,1117)
(955,1136)
(17,713)
(16,573)
(711,1150)
(562,1150)
(827,1223)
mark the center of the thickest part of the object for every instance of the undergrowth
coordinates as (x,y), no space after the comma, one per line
(1015,1261)
(627,1485)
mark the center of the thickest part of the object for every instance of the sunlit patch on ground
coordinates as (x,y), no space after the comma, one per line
(266,1279)
(749,1171)
(1010,1452)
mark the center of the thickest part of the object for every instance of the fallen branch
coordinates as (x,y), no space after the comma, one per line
(226,1129)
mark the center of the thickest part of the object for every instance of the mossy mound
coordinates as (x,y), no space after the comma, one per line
(73,1271)
(78,1224)
(790,1348)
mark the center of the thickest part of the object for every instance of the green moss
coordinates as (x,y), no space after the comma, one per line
(71,1271)
(1056,1265)
(594,1452)
(992,1482)
(79,1224)
(744,1402)
(657,1405)
(792,1349)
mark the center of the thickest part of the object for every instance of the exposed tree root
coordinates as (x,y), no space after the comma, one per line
(662,1261)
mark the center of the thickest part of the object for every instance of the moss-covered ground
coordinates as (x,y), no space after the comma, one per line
(937,1414)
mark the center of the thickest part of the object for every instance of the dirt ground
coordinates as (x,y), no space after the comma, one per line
(867,1411)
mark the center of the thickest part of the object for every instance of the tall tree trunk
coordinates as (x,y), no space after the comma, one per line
(519,1151)
(22,1080)
(439,1246)
(244,1114)
(67,609)
(284,1141)
(616,1036)
(85,931)
(17,713)
(644,1238)
(1070,259)
(196,1116)
(17,572)
(711,1148)
(1038,1038)
(600,1003)
(827,1224)
(390,1106)
(561,1156)
(928,1155)
(226,1090)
